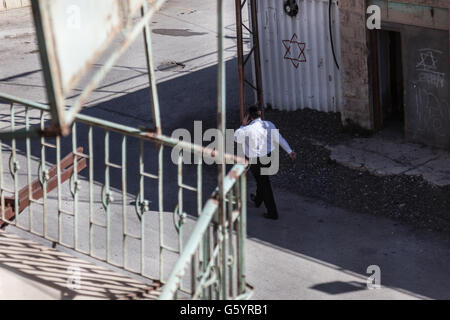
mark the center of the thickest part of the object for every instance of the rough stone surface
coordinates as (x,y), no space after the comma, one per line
(354,67)
(383,155)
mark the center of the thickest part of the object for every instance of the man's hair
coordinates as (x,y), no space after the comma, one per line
(254,112)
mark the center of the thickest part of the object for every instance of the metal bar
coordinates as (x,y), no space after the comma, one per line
(2,189)
(91,189)
(254,52)
(204,281)
(207,153)
(34,190)
(186,187)
(257,55)
(28,152)
(248,56)
(81,155)
(124,200)
(250,84)
(151,73)
(46,52)
(113,165)
(107,199)
(175,277)
(240,54)
(180,202)
(221,116)
(201,254)
(160,148)
(43,176)
(242,236)
(165,247)
(75,187)
(49,145)
(14,162)
(230,253)
(210,208)
(141,199)
(149,175)
(247,28)
(59,191)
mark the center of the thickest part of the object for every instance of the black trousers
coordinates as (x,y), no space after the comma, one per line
(264,191)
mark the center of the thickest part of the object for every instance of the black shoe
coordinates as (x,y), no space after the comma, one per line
(253,198)
(270,216)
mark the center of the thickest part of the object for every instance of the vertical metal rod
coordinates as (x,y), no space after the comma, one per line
(256,52)
(193,272)
(108,197)
(242,235)
(15,164)
(151,73)
(200,255)
(143,242)
(28,152)
(215,234)
(160,210)
(230,241)
(205,248)
(180,201)
(58,173)
(43,176)
(142,199)
(221,125)
(75,186)
(91,190)
(124,199)
(240,54)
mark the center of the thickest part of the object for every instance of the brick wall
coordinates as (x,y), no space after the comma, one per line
(355,76)
(12,4)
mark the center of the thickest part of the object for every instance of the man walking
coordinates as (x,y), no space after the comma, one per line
(259,139)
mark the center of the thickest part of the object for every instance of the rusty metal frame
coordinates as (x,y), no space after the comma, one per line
(254,53)
(34,190)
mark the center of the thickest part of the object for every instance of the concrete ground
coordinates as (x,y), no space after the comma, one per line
(316,251)
(32,271)
(313,251)
(387,153)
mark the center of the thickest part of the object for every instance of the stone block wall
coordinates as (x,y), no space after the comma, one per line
(355,75)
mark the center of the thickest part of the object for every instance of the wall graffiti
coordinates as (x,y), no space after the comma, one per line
(295,51)
(427,68)
(432,111)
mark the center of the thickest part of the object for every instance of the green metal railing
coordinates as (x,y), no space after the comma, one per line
(214,250)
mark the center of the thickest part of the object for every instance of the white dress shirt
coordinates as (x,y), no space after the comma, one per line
(259,138)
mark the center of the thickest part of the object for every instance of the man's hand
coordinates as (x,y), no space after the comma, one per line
(246,120)
(293,156)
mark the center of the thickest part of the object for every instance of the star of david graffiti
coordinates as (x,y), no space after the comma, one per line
(427,60)
(291,55)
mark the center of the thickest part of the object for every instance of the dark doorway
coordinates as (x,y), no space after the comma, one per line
(387,79)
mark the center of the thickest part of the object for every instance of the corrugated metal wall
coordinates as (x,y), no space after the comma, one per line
(298,68)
